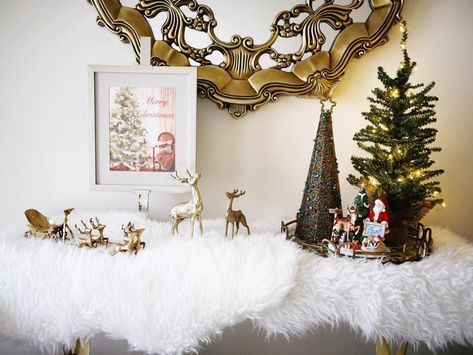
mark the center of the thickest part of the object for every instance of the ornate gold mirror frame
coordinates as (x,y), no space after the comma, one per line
(240,83)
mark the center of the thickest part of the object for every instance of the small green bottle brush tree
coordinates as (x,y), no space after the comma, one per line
(398,141)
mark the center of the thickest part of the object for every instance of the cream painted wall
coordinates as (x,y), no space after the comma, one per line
(43,117)
(46,46)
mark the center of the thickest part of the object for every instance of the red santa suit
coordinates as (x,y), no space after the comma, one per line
(166,155)
(378,213)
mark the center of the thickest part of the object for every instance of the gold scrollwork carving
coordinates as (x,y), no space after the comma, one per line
(239,83)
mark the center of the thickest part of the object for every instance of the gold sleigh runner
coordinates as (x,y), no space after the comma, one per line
(240,83)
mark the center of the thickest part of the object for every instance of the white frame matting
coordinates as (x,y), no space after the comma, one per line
(101,79)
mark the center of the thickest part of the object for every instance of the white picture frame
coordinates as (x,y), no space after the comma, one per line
(119,94)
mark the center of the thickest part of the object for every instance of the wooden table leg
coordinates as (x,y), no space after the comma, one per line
(79,349)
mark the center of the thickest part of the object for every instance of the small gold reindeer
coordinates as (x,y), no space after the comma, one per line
(100,239)
(88,241)
(132,242)
(234,217)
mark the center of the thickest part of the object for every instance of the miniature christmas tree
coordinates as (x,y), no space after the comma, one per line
(322,189)
(127,136)
(398,140)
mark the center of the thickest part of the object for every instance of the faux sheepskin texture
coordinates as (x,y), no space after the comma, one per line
(180,293)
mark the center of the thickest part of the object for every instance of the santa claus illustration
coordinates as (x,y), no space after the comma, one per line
(379,213)
(165,153)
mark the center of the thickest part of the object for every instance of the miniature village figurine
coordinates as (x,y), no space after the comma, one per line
(344,229)
(191,209)
(362,207)
(376,227)
(234,217)
(379,214)
(356,230)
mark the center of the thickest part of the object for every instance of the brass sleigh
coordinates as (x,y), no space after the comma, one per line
(41,226)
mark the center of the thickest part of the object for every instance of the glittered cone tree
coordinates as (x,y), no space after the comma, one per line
(398,141)
(322,188)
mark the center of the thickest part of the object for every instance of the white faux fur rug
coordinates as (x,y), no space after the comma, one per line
(179,293)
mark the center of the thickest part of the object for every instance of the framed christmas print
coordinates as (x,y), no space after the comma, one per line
(142,126)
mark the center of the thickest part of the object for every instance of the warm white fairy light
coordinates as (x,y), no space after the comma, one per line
(373,181)
(402,28)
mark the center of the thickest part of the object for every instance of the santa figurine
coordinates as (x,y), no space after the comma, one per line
(379,213)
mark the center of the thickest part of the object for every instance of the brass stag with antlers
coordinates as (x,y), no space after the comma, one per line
(234,217)
(191,209)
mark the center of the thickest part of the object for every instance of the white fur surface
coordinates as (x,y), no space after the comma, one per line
(179,293)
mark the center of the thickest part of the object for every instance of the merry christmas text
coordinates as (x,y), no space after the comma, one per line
(146,114)
(154,100)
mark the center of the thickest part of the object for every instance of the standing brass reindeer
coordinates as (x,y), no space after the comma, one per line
(234,217)
(191,209)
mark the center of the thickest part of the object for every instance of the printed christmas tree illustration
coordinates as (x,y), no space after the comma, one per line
(128,147)
(322,189)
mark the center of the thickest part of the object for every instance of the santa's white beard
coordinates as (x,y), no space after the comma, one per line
(165,150)
(377,210)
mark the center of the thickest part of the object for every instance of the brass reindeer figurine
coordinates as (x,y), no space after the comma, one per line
(234,217)
(100,228)
(132,242)
(191,209)
(88,241)
(65,225)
